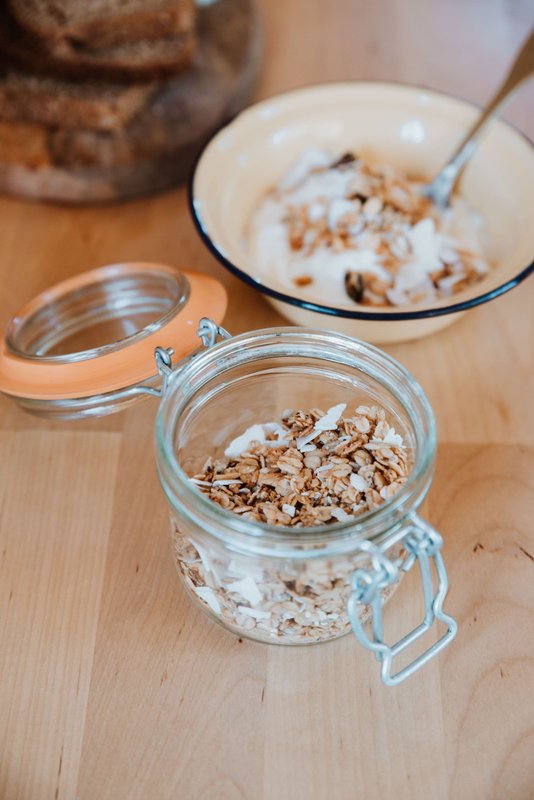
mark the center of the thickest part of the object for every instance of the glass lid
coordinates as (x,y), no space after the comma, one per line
(74,349)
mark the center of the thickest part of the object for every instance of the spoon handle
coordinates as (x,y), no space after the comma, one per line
(523,67)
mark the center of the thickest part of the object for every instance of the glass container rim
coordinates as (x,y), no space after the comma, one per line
(176,482)
(108,274)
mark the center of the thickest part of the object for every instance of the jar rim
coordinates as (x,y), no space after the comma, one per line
(171,291)
(224,524)
(47,383)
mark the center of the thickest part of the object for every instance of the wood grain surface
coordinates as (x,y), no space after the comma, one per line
(112,686)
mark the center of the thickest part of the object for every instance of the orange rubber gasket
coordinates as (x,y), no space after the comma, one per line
(130,364)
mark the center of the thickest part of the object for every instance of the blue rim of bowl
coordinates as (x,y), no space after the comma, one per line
(309,305)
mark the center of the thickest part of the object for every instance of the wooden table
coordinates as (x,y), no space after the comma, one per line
(112,686)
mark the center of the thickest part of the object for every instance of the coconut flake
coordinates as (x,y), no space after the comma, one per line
(426,245)
(288,509)
(209,597)
(358,482)
(247,588)
(393,438)
(256,433)
(254,612)
(326,423)
(340,514)
(331,418)
(339,208)
(446,284)
(313,158)
(323,468)
(206,562)
(303,441)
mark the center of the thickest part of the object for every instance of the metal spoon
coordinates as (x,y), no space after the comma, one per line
(441,188)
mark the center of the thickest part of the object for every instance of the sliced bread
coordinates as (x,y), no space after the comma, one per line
(66,104)
(21,143)
(155,149)
(102,23)
(144,60)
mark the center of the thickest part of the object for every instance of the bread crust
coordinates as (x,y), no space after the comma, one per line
(143,61)
(58,103)
(122,25)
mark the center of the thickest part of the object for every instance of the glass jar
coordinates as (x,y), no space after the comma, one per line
(305,585)
(86,347)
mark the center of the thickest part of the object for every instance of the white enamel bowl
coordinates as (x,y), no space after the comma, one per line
(412,128)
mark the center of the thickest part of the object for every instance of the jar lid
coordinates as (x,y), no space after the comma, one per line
(96,332)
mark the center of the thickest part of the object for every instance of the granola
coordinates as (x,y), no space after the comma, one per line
(348,229)
(280,602)
(309,469)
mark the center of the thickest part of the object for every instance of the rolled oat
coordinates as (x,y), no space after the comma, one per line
(311,468)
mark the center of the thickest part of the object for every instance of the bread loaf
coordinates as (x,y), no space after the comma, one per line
(141,60)
(21,143)
(61,24)
(58,103)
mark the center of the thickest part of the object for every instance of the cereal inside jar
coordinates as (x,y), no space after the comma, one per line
(309,468)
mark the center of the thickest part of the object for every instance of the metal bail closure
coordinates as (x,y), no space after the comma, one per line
(423,543)
(208,332)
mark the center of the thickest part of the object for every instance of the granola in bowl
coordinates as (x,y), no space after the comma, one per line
(348,230)
(310,468)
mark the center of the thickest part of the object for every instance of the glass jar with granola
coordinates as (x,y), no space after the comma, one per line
(294,462)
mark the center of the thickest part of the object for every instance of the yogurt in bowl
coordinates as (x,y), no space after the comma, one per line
(407,130)
(347,229)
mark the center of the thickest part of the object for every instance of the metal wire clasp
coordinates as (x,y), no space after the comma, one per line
(208,331)
(423,543)
(163,357)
